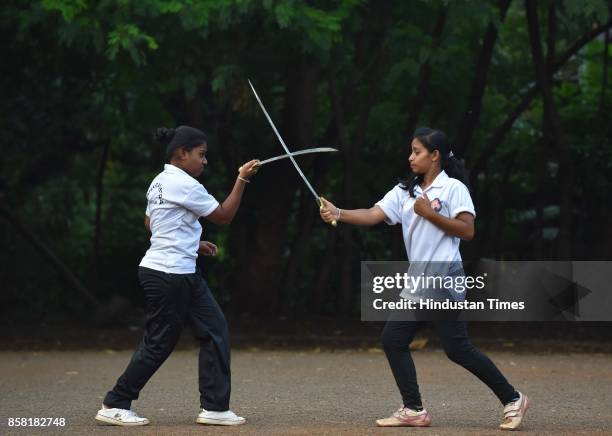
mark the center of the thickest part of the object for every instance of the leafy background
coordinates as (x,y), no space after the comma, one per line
(85,83)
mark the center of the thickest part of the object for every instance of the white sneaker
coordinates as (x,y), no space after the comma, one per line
(219,418)
(121,417)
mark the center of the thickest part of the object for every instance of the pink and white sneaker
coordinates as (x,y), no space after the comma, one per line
(405,417)
(515,412)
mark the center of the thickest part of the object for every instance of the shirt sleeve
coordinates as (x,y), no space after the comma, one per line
(200,202)
(460,201)
(391,206)
(148,209)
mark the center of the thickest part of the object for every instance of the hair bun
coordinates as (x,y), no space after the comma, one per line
(164,135)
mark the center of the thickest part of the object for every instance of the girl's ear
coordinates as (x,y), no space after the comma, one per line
(435,155)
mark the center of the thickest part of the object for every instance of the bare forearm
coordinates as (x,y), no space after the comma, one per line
(225,213)
(231,204)
(362,217)
(452,226)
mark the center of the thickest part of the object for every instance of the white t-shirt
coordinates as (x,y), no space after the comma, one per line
(175,201)
(424,241)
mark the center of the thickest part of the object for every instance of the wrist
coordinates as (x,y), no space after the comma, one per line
(243,180)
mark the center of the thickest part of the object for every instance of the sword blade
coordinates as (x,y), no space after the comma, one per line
(298,153)
(280,139)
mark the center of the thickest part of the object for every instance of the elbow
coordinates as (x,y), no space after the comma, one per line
(225,220)
(468,235)
(220,217)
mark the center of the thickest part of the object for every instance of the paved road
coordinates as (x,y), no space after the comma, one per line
(309,392)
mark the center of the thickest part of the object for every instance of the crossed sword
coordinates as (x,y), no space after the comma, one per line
(290,154)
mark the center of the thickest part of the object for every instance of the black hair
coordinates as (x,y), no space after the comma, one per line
(435,140)
(185,137)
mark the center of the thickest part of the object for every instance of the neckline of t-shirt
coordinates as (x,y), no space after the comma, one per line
(433,182)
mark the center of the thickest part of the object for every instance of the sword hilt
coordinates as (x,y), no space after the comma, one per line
(334,223)
(255,167)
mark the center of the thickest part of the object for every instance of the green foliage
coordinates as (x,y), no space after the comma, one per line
(129,37)
(587,9)
(90,74)
(68,8)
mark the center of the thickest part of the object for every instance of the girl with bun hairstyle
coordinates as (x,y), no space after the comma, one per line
(436,212)
(175,292)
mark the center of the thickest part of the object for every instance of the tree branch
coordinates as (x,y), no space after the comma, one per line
(42,248)
(498,136)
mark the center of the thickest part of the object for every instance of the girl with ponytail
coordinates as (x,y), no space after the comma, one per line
(436,212)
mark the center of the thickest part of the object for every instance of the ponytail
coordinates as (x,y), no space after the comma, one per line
(454,168)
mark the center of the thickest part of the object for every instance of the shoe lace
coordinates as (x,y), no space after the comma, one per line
(510,410)
(518,400)
(128,414)
(405,411)
(399,411)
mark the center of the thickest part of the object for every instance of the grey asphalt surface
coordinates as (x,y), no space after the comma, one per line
(308,392)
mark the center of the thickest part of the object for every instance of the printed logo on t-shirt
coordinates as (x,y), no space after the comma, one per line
(436,204)
(159,195)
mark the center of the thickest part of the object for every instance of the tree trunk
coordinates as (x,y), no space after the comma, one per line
(348,153)
(323,280)
(98,214)
(541,156)
(472,113)
(266,208)
(418,101)
(565,173)
(342,108)
(499,216)
(306,217)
